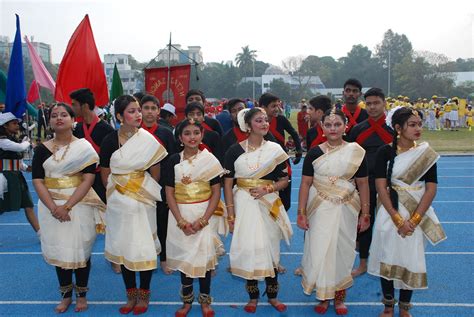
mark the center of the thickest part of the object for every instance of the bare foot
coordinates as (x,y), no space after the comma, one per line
(116,268)
(281,269)
(362,269)
(81,304)
(184,310)
(165,268)
(63,305)
(404,313)
(387,312)
(298,271)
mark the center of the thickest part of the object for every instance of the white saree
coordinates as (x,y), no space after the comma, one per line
(68,244)
(332,210)
(131,237)
(259,224)
(403,259)
(193,255)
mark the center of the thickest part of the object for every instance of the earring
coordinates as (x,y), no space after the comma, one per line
(323,135)
(398,136)
(344,134)
(181,144)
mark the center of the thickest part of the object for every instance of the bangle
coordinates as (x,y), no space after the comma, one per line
(181,223)
(229,205)
(365,214)
(203,222)
(67,207)
(398,220)
(302,211)
(230,218)
(269,188)
(366,204)
(415,219)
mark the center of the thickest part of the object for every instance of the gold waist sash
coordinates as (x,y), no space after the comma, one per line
(63,182)
(134,183)
(397,188)
(194,192)
(336,194)
(248,183)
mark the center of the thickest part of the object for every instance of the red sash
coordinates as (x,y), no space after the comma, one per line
(88,132)
(375,127)
(203,146)
(273,129)
(206,126)
(352,119)
(320,138)
(241,136)
(152,130)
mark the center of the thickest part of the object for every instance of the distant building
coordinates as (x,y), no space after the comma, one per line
(43,49)
(132,79)
(274,72)
(193,52)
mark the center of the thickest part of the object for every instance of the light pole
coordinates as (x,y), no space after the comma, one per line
(253,79)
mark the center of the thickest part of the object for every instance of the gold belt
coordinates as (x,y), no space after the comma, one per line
(63,182)
(248,183)
(396,187)
(134,183)
(193,192)
(336,200)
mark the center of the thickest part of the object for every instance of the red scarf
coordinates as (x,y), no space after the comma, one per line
(352,119)
(273,129)
(241,136)
(152,130)
(88,132)
(375,127)
(206,126)
(320,138)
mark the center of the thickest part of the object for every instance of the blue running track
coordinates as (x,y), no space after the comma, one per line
(29,286)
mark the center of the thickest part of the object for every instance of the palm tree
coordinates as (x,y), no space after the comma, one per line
(245,59)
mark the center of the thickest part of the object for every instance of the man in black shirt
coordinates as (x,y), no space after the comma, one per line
(371,134)
(90,127)
(354,114)
(195,95)
(150,112)
(317,107)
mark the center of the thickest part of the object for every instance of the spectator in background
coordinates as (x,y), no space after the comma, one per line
(43,118)
(288,110)
(225,119)
(303,121)
(2,107)
(167,113)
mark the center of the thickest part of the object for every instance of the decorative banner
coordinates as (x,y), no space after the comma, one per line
(33,93)
(155,84)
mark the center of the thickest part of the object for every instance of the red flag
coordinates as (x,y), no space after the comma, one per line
(155,83)
(33,93)
(81,67)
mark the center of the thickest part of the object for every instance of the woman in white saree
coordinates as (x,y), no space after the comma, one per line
(328,209)
(406,180)
(69,210)
(259,168)
(129,161)
(192,179)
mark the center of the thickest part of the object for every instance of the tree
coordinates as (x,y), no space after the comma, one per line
(245,90)
(245,59)
(359,64)
(293,66)
(281,89)
(218,80)
(325,67)
(398,46)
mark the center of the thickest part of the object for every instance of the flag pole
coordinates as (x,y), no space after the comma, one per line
(169,73)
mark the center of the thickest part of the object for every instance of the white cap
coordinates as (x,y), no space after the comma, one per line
(99,111)
(7,117)
(170,108)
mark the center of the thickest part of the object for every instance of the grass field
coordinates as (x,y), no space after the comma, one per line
(461,141)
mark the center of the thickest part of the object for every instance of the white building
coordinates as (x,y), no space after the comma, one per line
(132,79)
(274,72)
(193,52)
(43,49)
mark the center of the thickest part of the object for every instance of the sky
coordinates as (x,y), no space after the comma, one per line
(275,29)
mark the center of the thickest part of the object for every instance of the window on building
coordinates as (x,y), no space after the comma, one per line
(266,85)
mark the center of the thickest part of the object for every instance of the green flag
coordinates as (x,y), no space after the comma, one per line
(117,89)
(3,86)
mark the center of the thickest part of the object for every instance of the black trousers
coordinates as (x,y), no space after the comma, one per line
(41,126)
(389,291)
(365,238)
(129,278)
(271,287)
(82,278)
(162,212)
(187,284)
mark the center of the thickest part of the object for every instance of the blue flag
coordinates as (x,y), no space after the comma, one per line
(15,100)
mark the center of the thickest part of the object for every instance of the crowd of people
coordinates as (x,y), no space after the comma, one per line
(153,186)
